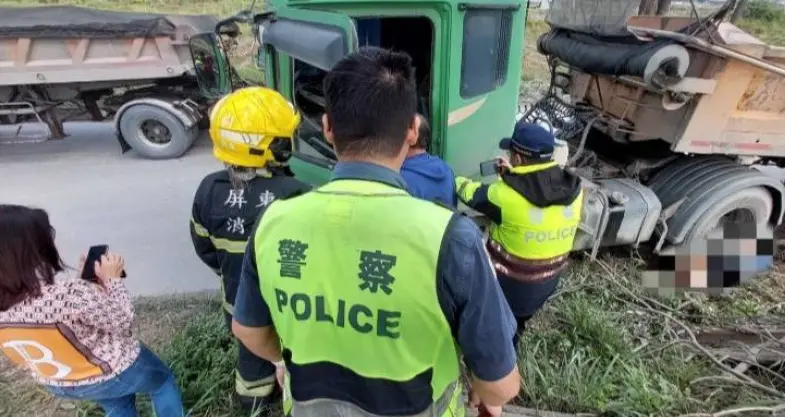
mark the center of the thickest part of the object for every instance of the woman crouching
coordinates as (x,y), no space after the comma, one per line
(73,335)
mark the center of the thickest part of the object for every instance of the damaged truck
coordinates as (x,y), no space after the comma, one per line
(665,118)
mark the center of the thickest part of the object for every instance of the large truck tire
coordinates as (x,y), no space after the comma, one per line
(748,206)
(156,133)
(707,192)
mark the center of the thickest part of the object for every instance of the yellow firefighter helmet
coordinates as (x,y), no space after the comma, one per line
(244,123)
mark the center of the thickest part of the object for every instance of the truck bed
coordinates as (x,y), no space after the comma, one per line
(733,107)
(68,44)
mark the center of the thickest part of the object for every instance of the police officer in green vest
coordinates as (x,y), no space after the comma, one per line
(535,210)
(365,295)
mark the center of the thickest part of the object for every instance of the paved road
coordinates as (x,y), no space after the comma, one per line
(95,195)
(139,207)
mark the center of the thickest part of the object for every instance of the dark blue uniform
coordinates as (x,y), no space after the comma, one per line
(223,219)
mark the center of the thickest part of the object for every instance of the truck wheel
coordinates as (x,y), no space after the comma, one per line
(155,133)
(746,206)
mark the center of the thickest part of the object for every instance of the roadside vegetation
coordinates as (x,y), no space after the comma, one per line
(606,345)
(765,20)
(603,345)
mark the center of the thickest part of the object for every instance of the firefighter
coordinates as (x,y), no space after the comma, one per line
(534,210)
(251,130)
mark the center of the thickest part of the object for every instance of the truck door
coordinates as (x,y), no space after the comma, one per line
(302,45)
(484,82)
(213,72)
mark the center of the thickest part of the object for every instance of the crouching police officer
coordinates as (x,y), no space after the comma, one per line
(360,289)
(252,132)
(535,210)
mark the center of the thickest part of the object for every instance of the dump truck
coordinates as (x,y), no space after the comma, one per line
(60,63)
(664,117)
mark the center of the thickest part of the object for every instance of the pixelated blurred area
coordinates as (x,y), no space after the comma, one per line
(727,258)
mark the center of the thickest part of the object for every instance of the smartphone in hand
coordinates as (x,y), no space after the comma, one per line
(490,167)
(94,255)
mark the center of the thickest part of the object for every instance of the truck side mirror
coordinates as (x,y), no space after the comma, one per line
(230,29)
(213,72)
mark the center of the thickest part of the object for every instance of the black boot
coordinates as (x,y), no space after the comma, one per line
(269,405)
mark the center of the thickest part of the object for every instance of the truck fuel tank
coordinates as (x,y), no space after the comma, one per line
(617,211)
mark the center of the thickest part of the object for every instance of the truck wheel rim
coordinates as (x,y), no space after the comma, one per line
(155,132)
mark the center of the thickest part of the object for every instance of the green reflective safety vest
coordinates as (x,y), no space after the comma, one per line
(531,232)
(349,274)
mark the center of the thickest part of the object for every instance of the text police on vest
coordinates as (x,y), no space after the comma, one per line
(549,235)
(359,317)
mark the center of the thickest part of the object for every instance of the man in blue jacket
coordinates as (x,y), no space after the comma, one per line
(427,176)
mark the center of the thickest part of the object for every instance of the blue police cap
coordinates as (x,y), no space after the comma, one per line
(531,141)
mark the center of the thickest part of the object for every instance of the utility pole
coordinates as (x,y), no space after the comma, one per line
(654,7)
(647,7)
(663,7)
(738,12)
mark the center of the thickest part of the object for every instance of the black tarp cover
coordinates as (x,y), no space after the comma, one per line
(72,21)
(607,55)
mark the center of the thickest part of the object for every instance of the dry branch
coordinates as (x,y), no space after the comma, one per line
(741,410)
(515,411)
(691,338)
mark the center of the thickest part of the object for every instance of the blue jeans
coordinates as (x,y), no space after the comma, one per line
(117,396)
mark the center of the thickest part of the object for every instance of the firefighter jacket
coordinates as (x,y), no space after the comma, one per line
(223,218)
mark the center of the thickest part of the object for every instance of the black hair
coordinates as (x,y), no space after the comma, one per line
(28,255)
(424,133)
(371,102)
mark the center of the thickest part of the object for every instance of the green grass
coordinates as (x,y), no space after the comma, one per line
(202,356)
(604,345)
(18,394)
(766,21)
(601,345)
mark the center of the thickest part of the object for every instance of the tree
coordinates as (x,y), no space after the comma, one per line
(654,7)
(738,12)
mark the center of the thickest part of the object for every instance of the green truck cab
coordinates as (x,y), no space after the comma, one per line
(468,65)
(467,57)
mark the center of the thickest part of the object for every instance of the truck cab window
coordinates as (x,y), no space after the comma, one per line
(241,51)
(486,50)
(309,100)
(411,35)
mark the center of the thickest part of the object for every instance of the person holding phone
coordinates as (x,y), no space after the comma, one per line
(534,208)
(75,336)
